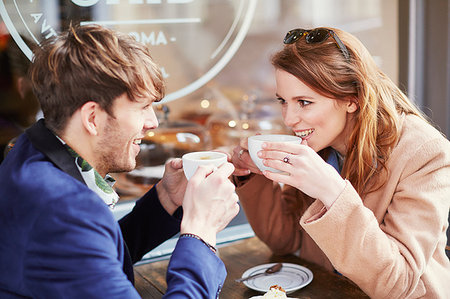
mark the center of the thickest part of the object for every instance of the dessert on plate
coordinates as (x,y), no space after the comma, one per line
(274,292)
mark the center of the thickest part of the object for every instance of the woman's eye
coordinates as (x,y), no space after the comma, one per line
(281,101)
(304,103)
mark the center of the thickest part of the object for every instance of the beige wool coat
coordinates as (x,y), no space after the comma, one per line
(391,243)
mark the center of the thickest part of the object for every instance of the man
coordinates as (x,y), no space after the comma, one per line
(58,237)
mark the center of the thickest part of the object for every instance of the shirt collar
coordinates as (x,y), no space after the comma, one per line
(101,186)
(335,160)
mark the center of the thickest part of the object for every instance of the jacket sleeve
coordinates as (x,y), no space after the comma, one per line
(148,225)
(389,259)
(76,251)
(273,213)
(194,271)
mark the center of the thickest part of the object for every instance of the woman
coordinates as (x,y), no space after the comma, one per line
(377,212)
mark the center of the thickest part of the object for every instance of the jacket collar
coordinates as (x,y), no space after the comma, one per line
(45,141)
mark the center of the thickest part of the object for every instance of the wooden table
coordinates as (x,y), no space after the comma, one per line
(240,256)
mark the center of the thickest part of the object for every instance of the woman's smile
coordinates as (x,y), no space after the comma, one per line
(304,134)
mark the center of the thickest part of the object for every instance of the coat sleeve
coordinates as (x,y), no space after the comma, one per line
(273,213)
(76,251)
(395,258)
(148,225)
(194,271)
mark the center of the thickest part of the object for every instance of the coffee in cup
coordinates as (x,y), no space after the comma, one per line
(191,161)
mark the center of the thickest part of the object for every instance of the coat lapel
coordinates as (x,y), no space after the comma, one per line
(46,142)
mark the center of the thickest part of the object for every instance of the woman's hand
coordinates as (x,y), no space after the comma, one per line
(305,169)
(241,160)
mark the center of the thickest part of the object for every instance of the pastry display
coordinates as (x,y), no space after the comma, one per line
(171,139)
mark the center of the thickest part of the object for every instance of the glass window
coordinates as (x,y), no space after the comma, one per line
(215,56)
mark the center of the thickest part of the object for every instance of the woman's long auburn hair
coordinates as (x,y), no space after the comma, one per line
(380,102)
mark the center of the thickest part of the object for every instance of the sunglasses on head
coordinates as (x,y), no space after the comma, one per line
(315,36)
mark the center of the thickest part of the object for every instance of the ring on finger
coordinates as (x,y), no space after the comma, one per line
(240,153)
(287,160)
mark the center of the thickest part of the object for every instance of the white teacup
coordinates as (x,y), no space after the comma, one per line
(255,142)
(191,161)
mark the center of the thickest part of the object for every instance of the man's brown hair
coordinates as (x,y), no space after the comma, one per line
(91,63)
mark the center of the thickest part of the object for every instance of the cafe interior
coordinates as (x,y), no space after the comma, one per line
(215,58)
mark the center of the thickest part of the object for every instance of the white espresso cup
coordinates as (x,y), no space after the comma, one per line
(191,161)
(255,142)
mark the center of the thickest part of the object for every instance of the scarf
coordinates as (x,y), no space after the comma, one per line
(101,186)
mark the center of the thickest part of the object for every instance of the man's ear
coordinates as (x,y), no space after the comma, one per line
(91,117)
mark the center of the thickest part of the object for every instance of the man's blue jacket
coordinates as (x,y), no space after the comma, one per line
(58,239)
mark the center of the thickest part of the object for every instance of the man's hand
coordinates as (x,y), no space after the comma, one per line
(172,186)
(210,202)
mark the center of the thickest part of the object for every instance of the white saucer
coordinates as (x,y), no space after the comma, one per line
(291,278)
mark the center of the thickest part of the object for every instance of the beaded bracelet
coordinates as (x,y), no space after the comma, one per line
(213,249)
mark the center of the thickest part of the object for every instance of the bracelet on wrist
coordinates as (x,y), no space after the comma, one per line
(243,177)
(241,180)
(187,235)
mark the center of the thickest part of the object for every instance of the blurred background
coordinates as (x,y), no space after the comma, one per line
(215,57)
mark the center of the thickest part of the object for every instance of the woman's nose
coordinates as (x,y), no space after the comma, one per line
(291,116)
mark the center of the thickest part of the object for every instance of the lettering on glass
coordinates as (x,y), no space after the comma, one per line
(192,40)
